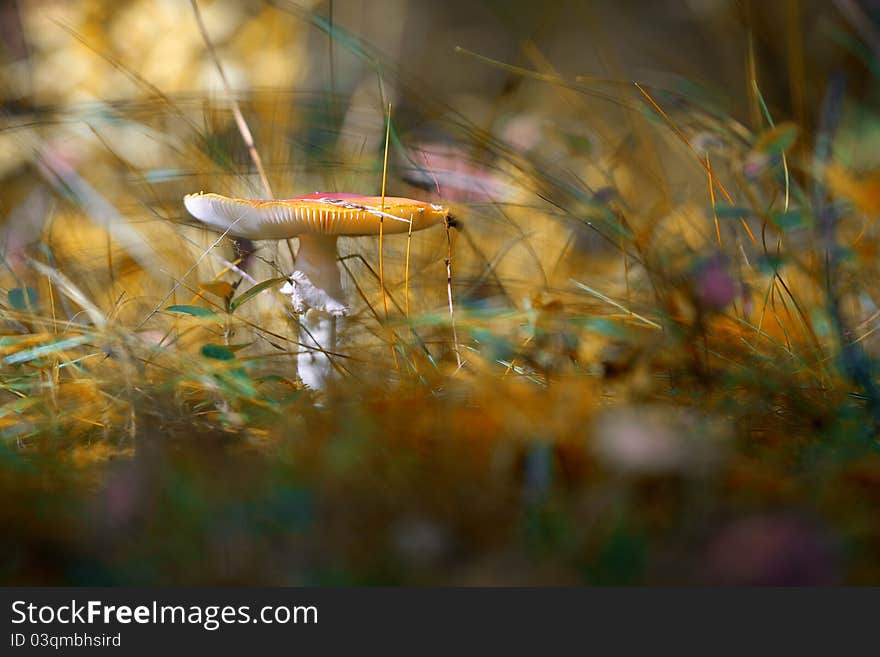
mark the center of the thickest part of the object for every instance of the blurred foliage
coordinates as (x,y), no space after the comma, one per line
(663,295)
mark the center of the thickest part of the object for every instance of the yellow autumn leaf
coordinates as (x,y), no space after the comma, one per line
(221,288)
(863,191)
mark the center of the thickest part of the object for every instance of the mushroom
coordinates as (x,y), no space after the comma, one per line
(315,287)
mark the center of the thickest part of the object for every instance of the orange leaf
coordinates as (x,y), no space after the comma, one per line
(221,288)
(863,191)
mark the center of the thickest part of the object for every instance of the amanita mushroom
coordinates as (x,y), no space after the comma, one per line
(315,287)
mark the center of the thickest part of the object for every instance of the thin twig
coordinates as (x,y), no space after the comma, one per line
(449,294)
(406,267)
(382,215)
(243,128)
(236,110)
(712,198)
(608,300)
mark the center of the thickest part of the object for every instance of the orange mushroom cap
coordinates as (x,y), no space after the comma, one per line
(319,214)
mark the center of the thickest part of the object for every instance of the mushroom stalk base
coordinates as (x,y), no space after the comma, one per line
(317,332)
(315,290)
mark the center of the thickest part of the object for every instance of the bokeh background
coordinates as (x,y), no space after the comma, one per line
(659,368)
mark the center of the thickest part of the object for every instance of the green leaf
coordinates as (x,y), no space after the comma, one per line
(495,347)
(790,220)
(600,325)
(46,349)
(844,253)
(250,293)
(725,211)
(578,143)
(241,381)
(160,175)
(820,323)
(193,311)
(770,264)
(778,139)
(23,299)
(216,352)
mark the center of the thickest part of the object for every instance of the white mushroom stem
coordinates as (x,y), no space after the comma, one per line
(315,290)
